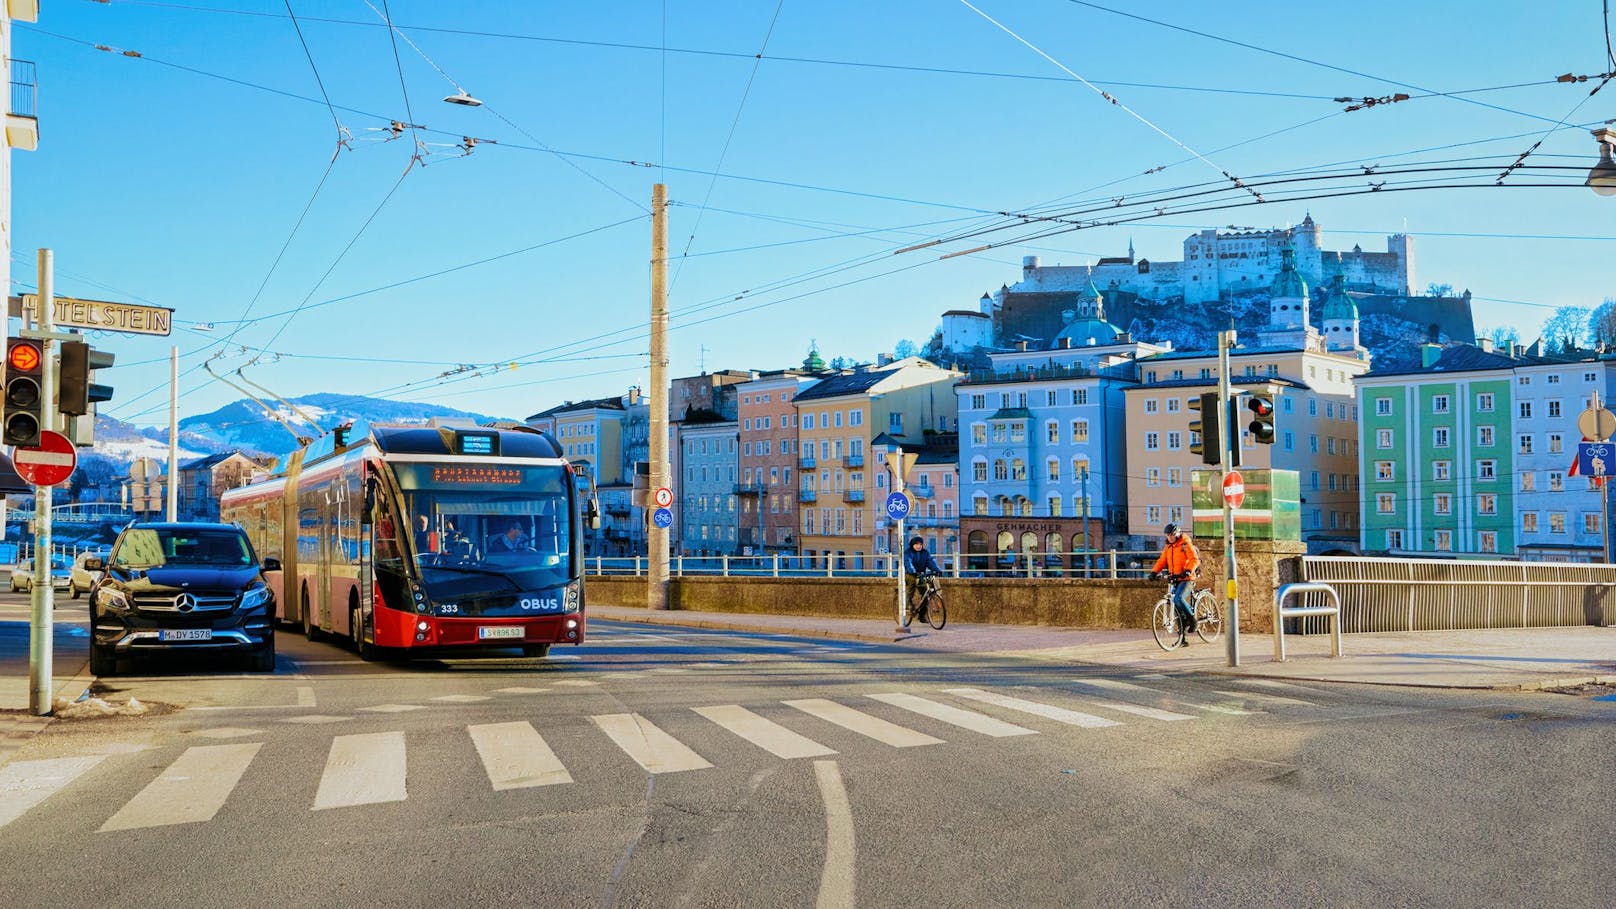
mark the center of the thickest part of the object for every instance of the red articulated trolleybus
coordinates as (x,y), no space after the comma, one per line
(415,539)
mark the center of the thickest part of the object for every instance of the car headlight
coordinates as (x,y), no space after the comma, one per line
(117,599)
(570,599)
(255,597)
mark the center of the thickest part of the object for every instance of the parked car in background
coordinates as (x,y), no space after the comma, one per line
(171,588)
(22,575)
(82,579)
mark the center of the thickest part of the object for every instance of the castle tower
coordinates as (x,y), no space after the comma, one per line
(814,362)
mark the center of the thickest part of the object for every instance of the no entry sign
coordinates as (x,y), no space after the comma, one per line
(1234,489)
(50,463)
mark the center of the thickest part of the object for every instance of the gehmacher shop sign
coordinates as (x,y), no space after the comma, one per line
(98,315)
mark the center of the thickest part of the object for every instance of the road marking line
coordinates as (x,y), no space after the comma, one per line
(463,698)
(1283,686)
(516,757)
(227,732)
(1272,698)
(305,696)
(316,719)
(520,690)
(363,770)
(1150,712)
(836,880)
(392,708)
(27,783)
(1150,675)
(192,789)
(954,716)
(1118,685)
(649,746)
(764,733)
(1059,714)
(862,723)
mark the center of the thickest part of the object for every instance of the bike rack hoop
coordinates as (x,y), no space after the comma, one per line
(1283,612)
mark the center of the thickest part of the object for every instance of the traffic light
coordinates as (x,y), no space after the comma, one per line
(1210,446)
(1261,406)
(23,403)
(77,392)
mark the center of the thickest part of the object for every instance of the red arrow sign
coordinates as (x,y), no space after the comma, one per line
(49,464)
(1234,489)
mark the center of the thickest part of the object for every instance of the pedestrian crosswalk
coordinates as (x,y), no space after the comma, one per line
(378,768)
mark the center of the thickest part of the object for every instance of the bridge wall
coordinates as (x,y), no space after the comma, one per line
(1005,601)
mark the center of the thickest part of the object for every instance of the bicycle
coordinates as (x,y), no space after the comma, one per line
(1165,625)
(928,604)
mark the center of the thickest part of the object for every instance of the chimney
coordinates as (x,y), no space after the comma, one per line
(1429,354)
(633,395)
(1063,343)
(1029,264)
(1486,344)
(882,359)
(1021,345)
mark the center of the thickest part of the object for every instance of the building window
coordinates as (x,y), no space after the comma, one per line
(1555,443)
(1290,440)
(1484,402)
(1000,432)
(1554,406)
(979,505)
(1054,504)
(1590,522)
(1554,379)
(1487,470)
(1150,405)
(1054,469)
(1526,410)
(1484,436)
(895,422)
(1383,438)
(1172,405)
(1049,398)
(1080,396)
(1386,503)
(1173,440)
(1153,514)
(1439,437)
(1394,539)
(1312,407)
(1001,470)
(1439,403)
(1556,480)
(1526,444)
(1152,476)
(1523,380)
(1052,431)
(1486,503)
(1528,481)
(855,418)
(1442,503)
(1080,430)
(1018,469)
(1330,445)
(1018,432)
(1444,541)
(979,434)
(1385,471)
(1152,441)
(1175,476)
(1441,470)
(1313,443)
(1488,540)
(1528,522)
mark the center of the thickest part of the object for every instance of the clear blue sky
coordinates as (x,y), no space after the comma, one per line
(158,181)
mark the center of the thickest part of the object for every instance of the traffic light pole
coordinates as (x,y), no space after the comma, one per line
(42,620)
(1230,441)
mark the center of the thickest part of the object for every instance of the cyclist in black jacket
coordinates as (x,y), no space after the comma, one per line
(919,563)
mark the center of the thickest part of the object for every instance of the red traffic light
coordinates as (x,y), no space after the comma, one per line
(1261,406)
(23,356)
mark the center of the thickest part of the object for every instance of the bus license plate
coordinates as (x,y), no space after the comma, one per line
(501,631)
(185,634)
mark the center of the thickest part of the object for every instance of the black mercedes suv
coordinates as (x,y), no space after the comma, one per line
(181,587)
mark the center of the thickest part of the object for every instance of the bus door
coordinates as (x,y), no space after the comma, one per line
(322,569)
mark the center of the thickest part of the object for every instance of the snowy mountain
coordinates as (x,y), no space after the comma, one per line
(244,425)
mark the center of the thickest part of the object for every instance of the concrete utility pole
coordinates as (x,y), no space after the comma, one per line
(42,622)
(1231,436)
(903,546)
(657,537)
(174,433)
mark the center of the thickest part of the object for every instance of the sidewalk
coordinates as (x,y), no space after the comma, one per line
(70,675)
(1502,658)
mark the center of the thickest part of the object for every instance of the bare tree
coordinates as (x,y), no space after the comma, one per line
(1567,329)
(1438,290)
(1504,335)
(903,349)
(1602,325)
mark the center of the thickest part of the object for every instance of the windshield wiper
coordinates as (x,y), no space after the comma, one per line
(466,569)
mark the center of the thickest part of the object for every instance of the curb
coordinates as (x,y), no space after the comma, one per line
(726,625)
(1567,682)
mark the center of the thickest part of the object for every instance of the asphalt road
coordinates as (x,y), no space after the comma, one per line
(667,767)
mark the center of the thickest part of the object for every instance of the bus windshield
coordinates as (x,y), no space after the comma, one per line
(487,528)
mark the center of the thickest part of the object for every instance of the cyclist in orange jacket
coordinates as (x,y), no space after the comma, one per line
(1179,562)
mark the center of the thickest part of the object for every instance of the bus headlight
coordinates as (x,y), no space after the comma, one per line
(572,596)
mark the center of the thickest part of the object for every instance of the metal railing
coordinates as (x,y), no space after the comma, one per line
(1444,594)
(921,492)
(807,495)
(806,462)
(855,495)
(24,89)
(748,489)
(1110,564)
(853,460)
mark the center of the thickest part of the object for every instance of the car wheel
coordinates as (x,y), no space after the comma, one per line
(76,591)
(103,660)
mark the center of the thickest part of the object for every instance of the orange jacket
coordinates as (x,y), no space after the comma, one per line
(1179,557)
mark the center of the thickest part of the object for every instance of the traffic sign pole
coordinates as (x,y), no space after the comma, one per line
(1231,437)
(42,620)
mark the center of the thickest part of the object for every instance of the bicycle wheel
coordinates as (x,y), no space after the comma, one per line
(1164,624)
(1208,616)
(936,612)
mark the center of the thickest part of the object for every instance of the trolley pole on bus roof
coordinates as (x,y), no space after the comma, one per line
(657,537)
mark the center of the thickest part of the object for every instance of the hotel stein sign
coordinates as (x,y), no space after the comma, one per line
(98,315)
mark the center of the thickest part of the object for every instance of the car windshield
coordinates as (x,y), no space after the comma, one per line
(160,547)
(487,529)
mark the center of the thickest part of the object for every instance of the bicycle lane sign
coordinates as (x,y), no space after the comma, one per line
(1594,458)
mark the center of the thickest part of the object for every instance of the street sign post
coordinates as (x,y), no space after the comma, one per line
(1234,489)
(663,497)
(1596,459)
(897,506)
(50,464)
(662,518)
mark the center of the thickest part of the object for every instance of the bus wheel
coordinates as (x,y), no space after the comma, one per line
(536,651)
(367,652)
(310,630)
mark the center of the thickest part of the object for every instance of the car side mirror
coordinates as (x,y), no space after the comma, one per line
(272,564)
(95,563)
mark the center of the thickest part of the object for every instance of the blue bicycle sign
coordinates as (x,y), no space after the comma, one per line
(662,517)
(1594,458)
(897,506)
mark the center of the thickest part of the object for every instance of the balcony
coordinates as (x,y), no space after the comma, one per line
(855,495)
(807,462)
(930,521)
(807,495)
(619,510)
(921,492)
(854,460)
(22,123)
(749,489)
